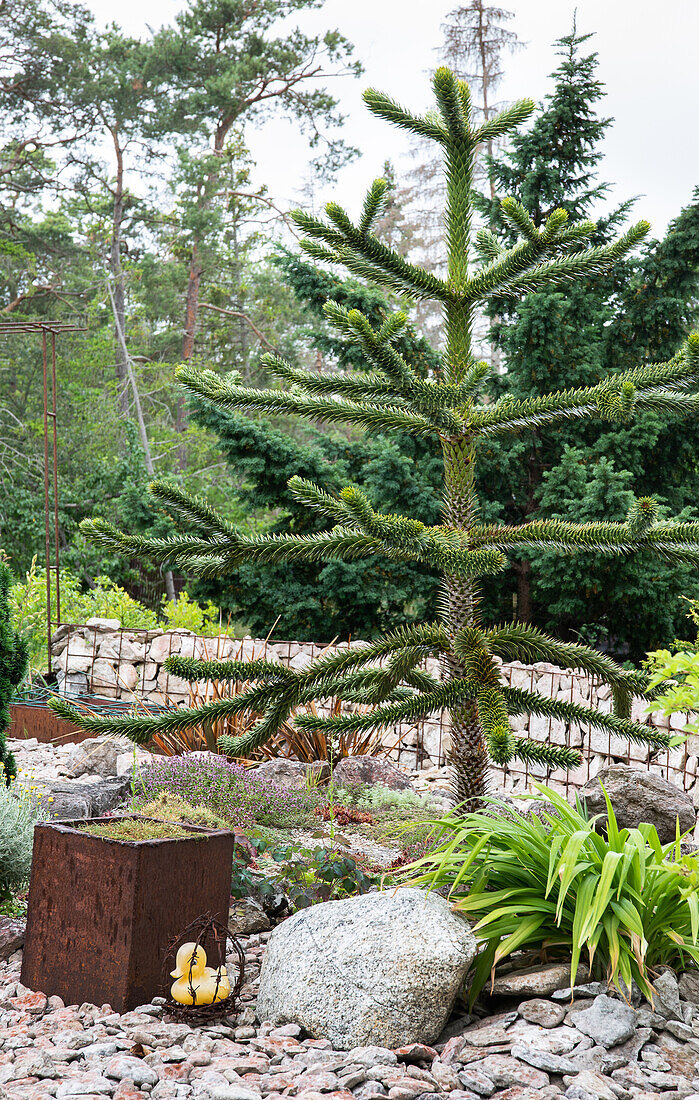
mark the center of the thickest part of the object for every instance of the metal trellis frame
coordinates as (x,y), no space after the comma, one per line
(49,330)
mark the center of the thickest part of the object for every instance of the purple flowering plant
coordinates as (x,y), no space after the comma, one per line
(205,779)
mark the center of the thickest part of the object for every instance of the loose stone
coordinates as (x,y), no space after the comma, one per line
(607,1021)
(542,1012)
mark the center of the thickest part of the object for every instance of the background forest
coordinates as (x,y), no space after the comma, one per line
(129,200)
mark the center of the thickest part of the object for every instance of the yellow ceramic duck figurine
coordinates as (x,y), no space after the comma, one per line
(189,955)
(209,985)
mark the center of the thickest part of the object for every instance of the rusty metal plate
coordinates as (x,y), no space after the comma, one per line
(102,912)
(40,722)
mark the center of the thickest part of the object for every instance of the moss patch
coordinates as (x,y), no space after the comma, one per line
(135,829)
(170,807)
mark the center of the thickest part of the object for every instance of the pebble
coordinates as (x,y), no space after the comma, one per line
(505,1071)
(474,1080)
(544,1013)
(608,1021)
(543,1059)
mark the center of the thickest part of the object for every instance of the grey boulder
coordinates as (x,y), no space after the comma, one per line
(97,756)
(371,770)
(540,981)
(689,986)
(11,936)
(72,801)
(638,796)
(246,916)
(380,969)
(292,773)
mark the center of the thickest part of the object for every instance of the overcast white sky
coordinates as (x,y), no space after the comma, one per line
(647,54)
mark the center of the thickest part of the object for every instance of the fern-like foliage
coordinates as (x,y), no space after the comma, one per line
(386,675)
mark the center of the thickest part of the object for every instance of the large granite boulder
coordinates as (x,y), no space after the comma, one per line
(380,969)
(639,796)
(371,770)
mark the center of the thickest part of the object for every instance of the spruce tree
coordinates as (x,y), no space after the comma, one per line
(13,665)
(387,674)
(588,469)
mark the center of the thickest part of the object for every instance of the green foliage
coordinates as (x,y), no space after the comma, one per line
(589,469)
(13,665)
(309,875)
(184,613)
(675,676)
(105,600)
(542,254)
(682,670)
(18,816)
(620,904)
(379,798)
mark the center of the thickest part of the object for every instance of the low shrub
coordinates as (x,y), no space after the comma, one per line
(311,875)
(381,799)
(343,815)
(227,789)
(104,599)
(679,674)
(550,882)
(170,807)
(19,814)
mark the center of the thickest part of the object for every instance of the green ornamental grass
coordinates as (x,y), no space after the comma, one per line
(621,903)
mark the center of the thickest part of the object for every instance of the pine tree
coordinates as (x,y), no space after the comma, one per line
(386,674)
(13,665)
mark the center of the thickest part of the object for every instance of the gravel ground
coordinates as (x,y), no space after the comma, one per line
(596,1048)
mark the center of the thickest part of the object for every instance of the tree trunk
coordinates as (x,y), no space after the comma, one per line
(191,314)
(190,324)
(117,273)
(467,753)
(523,571)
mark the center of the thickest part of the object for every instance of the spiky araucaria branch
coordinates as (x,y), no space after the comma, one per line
(362,532)
(399,691)
(386,674)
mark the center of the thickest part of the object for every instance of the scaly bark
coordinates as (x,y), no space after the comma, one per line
(117,273)
(468,753)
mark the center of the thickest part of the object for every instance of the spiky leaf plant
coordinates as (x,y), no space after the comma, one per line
(387,673)
(620,904)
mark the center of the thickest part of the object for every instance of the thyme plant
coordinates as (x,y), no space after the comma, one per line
(387,674)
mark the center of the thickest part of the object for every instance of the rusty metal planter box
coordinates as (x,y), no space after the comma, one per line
(102,912)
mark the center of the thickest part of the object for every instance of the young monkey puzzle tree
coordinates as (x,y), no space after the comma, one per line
(386,673)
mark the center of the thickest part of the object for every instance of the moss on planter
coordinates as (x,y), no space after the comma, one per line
(170,807)
(135,829)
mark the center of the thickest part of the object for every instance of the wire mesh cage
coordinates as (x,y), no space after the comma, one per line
(204,941)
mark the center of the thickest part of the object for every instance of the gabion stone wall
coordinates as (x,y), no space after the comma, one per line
(98,658)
